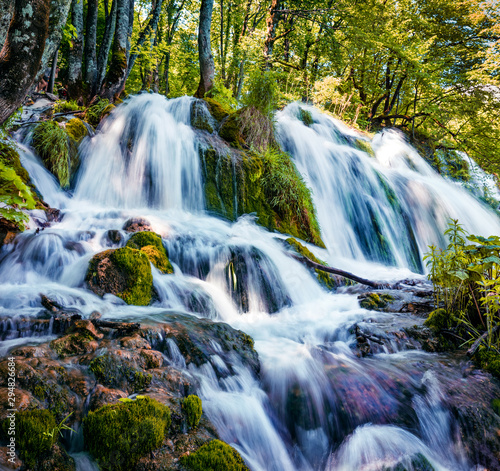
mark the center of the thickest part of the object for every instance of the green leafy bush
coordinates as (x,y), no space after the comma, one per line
(214,456)
(262,92)
(191,406)
(51,143)
(119,435)
(223,96)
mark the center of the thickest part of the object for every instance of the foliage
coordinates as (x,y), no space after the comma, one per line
(14,192)
(223,95)
(95,113)
(7,125)
(191,406)
(466,281)
(151,244)
(214,456)
(57,430)
(51,142)
(32,444)
(119,435)
(262,92)
(62,106)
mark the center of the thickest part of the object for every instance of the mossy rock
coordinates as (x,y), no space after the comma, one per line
(124,272)
(495,405)
(73,344)
(9,156)
(32,445)
(200,117)
(438,319)
(192,409)
(214,456)
(364,146)
(306,117)
(51,143)
(76,130)
(230,130)
(119,435)
(488,360)
(96,112)
(375,301)
(326,280)
(417,462)
(216,109)
(150,243)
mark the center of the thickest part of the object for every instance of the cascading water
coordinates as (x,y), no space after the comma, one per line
(315,405)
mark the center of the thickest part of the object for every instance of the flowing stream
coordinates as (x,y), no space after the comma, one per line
(316,406)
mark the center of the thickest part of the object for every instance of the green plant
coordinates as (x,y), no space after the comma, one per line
(95,113)
(57,430)
(51,143)
(7,125)
(223,96)
(61,106)
(262,92)
(119,435)
(214,456)
(191,407)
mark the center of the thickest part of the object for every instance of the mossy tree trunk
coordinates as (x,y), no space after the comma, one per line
(59,11)
(76,51)
(6,13)
(107,41)
(22,52)
(207,68)
(90,43)
(117,72)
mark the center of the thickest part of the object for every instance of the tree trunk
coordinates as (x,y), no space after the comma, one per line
(117,72)
(90,44)
(22,52)
(76,51)
(167,73)
(107,41)
(272,23)
(53,72)
(59,11)
(6,13)
(207,67)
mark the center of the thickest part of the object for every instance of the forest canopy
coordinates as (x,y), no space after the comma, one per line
(429,67)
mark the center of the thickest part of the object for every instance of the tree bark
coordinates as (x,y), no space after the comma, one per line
(117,72)
(59,11)
(6,13)
(76,51)
(207,67)
(22,52)
(90,43)
(107,41)
(272,23)
(53,71)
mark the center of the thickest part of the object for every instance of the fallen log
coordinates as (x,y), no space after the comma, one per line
(336,271)
(481,339)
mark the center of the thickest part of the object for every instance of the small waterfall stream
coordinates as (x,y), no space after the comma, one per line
(316,406)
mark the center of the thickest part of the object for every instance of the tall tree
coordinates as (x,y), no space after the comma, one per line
(207,67)
(6,13)
(90,42)
(22,52)
(76,51)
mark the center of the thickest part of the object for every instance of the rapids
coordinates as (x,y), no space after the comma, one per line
(316,406)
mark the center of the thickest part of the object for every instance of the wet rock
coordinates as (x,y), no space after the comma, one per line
(124,272)
(114,236)
(137,225)
(375,301)
(151,359)
(23,400)
(74,344)
(102,396)
(85,328)
(200,117)
(151,244)
(7,461)
(135,341)
(57,460)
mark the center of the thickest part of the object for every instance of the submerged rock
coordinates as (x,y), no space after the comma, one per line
(137,225)
(124,272)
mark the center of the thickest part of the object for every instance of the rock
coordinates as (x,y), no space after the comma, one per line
(152,359)
(151,244)
(85,328)
(51,96)
(102,396)
(8,461)
(74,344)
(114,236)
(135,341)
(137,225)
(8,231)
(200,117)
(58,460)
(375,301)
(23,400)
(124,272)
(216,109)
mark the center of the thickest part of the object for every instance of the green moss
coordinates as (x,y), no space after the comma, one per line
(62,106)
(323,278)
(216,109)
(95,113)
(191,407)
(128,275)
(151,244)
(230,130)
(10,157)
(364,146)
(375,301)
(119,435)
(488,360)
(76,129)
(31,444)
(51,143)
(214,456)
(306,117)
(495,405)
(418,462)
(438,319)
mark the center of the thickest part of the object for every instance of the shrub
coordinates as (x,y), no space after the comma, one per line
(191,407)
(51,143)
(119,435)
(214,456)
(262,92)
(96,112)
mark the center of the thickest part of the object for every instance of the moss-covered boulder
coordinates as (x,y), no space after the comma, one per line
(438,319)
(214,456)
(265,183)
(216,109)
(76,130)
(375,301)
(51,143)
(119,435)
(306,117)
(488,360)
(124,272)
(98,111)
(200,117)
(151,244)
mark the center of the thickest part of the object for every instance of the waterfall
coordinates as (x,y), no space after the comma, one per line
(315,404)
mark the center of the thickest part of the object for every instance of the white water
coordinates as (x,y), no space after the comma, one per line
(315,405)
